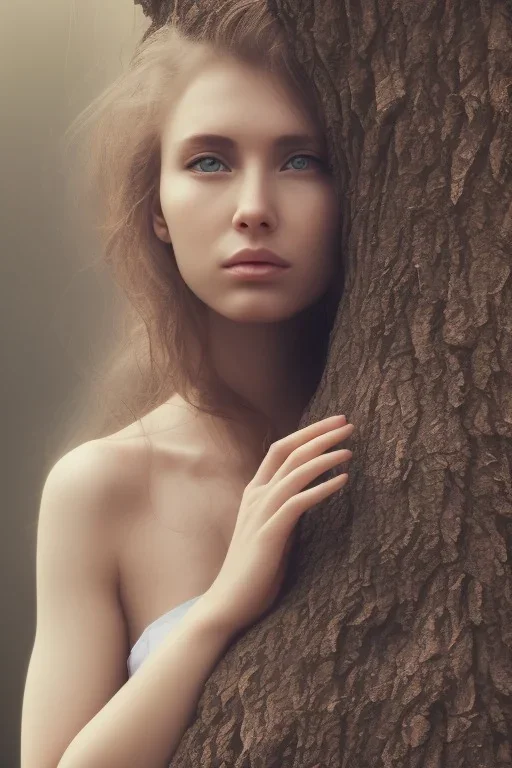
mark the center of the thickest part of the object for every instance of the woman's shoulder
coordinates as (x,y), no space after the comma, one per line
(111,473)
(108,458)
(168,437)
(118,467)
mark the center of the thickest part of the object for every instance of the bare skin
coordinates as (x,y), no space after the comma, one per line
(172,546)
(251,195)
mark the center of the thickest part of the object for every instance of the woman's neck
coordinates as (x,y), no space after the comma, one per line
(266,364)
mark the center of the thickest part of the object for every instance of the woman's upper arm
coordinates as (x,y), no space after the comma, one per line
(78,660)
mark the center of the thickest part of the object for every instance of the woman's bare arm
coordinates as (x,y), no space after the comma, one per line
(142,725)
(79,707)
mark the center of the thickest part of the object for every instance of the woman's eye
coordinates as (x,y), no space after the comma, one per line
(302,158)
(208,167)
(202,160)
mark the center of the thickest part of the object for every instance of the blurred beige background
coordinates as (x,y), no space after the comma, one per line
(56,57)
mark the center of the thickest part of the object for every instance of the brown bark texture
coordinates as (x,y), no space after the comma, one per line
(391,644)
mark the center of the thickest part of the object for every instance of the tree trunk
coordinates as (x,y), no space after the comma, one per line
(392,643)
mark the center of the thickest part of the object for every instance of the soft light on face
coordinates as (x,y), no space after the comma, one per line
(251,189)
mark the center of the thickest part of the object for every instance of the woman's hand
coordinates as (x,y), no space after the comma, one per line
(272,503)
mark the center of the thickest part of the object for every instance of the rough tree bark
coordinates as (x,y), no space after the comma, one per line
(392,643)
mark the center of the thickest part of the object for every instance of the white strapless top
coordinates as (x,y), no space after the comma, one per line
(155,633)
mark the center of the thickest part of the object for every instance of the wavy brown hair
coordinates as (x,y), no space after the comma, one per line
(120,169)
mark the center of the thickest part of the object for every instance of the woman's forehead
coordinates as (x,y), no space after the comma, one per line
(230,100)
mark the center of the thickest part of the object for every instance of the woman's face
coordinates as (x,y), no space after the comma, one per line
(218,197)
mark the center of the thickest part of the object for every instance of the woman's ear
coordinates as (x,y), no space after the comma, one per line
(159,223)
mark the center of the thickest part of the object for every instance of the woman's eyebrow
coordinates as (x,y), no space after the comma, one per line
(196,140)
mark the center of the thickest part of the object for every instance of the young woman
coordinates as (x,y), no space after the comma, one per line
(147,572)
